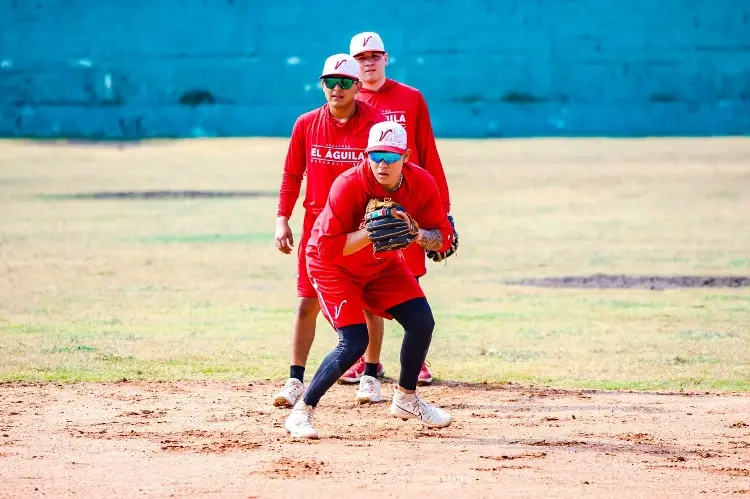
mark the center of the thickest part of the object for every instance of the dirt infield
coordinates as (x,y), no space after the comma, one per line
(219,439)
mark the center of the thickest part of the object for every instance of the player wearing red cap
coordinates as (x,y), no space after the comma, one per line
(324,143)
(404,105)
(349,276)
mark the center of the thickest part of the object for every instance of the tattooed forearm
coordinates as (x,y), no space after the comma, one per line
(431,239)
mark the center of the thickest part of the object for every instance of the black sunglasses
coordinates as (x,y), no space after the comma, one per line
(345,83)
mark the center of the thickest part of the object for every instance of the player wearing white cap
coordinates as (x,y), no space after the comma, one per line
(404,105)
(350,276)
(325,142)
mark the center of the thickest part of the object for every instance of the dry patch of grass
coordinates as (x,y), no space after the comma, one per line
(194,288)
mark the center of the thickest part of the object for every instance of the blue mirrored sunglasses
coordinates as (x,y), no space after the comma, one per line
(388,157)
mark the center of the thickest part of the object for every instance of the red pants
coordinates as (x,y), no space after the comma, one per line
(343,297)
(304,286)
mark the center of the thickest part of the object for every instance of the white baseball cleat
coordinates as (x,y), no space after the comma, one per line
(290,394)
(369,390)
(409,405)
(299,424)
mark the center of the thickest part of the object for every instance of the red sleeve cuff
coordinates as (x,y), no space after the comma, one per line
(447,237)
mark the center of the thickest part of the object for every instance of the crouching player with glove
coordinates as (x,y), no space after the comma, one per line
(373,210)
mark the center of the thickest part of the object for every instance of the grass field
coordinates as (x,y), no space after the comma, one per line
(172,316)
(194,288)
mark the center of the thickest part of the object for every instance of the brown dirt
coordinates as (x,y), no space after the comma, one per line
(216,439)
(637,281)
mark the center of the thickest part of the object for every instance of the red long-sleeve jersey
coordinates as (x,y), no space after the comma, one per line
(345,210)
(322,148)
(406,105)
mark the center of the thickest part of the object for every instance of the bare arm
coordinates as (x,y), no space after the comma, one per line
(355,241)
(430,239)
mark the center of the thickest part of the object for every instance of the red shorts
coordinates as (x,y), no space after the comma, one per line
(342,297)
(304,286)
(416,259)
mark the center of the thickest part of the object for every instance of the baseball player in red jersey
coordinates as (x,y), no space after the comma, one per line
(349,276)
(404,105)
(324,143)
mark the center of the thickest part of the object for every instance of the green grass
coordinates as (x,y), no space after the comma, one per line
(194,289)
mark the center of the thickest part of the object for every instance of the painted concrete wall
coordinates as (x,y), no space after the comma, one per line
(144,68)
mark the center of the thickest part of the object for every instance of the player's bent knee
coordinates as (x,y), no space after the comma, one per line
(422,328)
(415,316)
(353,341)
(307,308)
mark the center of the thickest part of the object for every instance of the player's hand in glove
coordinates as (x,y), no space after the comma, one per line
(388,225)
(439,256)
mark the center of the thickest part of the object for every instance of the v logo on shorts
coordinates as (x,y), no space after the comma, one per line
(337,310)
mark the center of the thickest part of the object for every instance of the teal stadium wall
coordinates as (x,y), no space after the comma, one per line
(127,69)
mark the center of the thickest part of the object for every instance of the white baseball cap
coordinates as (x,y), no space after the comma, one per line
(387,136)
(366,42)
(341,65)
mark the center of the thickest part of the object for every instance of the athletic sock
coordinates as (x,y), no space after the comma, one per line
(371,369)
(297,372)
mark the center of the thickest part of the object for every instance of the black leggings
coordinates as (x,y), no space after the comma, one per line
(415,316)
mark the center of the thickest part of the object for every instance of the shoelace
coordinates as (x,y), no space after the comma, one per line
(292,384)
(306,422)
(426,410)
(423,409)
(419,406)
(368,384)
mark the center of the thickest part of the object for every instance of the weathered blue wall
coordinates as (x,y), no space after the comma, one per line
(131,68)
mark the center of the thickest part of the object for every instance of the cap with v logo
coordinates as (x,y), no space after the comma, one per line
(387,136)
(341,65)
(366,42)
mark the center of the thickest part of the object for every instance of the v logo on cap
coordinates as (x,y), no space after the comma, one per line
(367,41)
(387,136)
(341,65)
(384,134)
